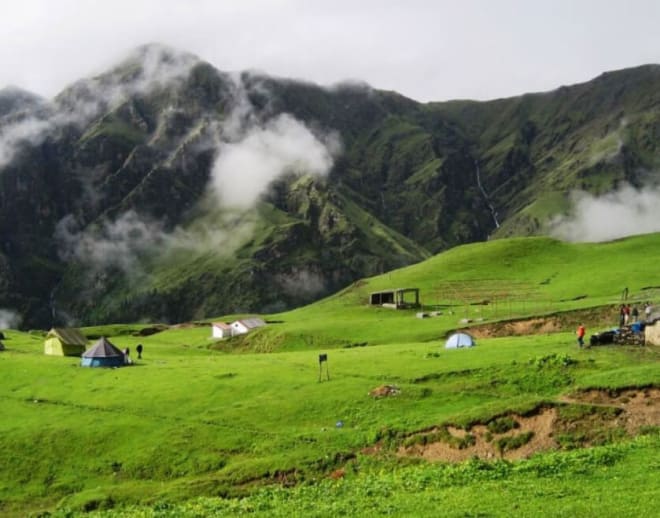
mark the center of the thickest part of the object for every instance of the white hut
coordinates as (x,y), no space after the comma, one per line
(245,325)
(221,330)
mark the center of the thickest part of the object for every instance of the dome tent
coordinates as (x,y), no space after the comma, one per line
(103,354)
(458,340)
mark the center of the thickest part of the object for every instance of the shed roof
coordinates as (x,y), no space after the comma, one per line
(68,335)
(221,325)
(251,323)
(103,348)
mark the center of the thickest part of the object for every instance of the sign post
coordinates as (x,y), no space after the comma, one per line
(323,358)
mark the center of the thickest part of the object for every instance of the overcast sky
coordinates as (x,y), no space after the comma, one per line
(427,50)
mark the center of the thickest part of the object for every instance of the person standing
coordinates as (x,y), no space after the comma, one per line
(626,314)
(635,314)
(580,335)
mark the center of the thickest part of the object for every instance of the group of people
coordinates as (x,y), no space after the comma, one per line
(629,316)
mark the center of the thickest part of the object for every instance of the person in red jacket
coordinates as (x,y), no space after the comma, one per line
(580,335)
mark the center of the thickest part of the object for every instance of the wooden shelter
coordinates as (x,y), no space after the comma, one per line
(400,298)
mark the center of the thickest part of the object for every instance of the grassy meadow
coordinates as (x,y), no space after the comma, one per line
(203,428)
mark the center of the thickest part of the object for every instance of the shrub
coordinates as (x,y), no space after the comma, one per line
(513,442)
(502,424)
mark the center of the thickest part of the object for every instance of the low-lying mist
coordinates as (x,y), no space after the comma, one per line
(625,212)
(9,319)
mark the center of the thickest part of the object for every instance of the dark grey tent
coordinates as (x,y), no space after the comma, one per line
(103,354)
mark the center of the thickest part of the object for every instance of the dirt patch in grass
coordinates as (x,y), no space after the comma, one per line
(541,325)
(639,407)
(584,419)
(489,445)
(384,391)
(568,320)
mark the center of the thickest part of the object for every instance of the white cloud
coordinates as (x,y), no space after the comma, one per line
(117,243)
(624,212)
(245,168)
(30,130)
(146,68)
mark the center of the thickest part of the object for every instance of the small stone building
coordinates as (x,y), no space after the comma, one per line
(652,333)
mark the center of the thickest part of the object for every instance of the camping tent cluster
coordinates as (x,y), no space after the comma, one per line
(71,342)
(238,327)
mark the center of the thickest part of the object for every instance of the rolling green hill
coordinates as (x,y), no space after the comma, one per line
(499,279)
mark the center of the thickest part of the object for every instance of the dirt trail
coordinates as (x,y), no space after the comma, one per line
(582,419)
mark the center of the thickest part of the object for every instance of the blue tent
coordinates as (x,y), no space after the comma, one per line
(103,354)
(459,340)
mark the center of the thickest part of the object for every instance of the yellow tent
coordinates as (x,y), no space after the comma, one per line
(65,342)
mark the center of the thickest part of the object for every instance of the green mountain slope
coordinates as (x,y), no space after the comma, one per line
(533,149)
(109,193)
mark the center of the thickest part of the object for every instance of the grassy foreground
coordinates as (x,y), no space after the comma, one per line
(195,431)
(603,481)
(186,421)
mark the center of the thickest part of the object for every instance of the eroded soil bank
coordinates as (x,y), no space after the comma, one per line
(594,318)
(583,419)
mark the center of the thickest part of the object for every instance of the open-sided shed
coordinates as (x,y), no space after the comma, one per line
(400,298)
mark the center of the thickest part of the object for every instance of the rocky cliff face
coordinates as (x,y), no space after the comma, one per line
(166,189)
